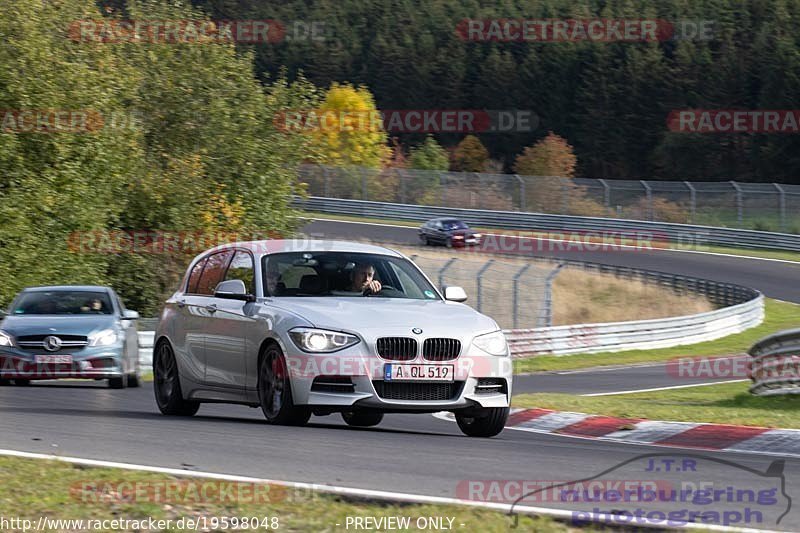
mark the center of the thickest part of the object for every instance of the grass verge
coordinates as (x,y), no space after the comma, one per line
(33,488)
(728,403)
(779,315)
(744,252)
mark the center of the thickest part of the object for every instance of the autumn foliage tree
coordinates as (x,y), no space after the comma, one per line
(548,166)
(469,156)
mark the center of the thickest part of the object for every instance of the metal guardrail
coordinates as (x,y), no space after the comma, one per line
(775,367)
(683,234)
(637,335)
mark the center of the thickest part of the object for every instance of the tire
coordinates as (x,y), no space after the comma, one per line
(275,391)
(362,419)
(118,383)
(135,378)
(488,422)
(22,382)
(167,384)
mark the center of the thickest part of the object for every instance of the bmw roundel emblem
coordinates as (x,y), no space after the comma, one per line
(417,331)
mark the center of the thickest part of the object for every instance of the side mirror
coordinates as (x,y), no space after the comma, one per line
(233,289)
(129,315)
(455,294)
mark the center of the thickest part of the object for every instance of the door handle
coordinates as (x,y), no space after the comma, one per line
(211,308)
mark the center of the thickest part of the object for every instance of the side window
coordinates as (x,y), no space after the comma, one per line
(194,277)
(213,272)
(242,268)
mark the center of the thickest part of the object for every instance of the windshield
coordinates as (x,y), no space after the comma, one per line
(343,274)
(454,224)
(62,303)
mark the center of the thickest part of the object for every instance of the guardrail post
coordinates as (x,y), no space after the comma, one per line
(649,192)
(479,282)
(515,303)
(444,268)
(521,192)
(739,205)
(692,200)
(782,204)
(606,194)
(546,319)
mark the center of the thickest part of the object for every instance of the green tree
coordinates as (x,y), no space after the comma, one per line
(428,156)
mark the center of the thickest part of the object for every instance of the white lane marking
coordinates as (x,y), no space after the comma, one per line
(720,254)
(611,368)
(562,514)
(665,388)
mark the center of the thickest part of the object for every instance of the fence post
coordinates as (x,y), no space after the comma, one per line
(739,206)
(363,183)
(546,319)
(649,192)
(444,268)
(522,206)
(606,194)
(564,196)
(327,183)
(441,189)
(782,204)
(479,281)
(692,200)
(481,188)
(515,302)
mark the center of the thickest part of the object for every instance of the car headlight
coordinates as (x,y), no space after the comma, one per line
(107,337)
(321,341)
(5,339)
(492,343)
(477,235)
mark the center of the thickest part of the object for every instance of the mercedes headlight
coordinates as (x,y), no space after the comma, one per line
(107,337)
(321,341)
(5,339)
(492,343)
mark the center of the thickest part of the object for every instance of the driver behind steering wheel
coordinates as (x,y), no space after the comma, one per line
(363,280)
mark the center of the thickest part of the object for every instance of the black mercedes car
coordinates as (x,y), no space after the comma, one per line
(448,232)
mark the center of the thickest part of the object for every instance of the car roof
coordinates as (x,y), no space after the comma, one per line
(446,219)
(79,288)
(274,246)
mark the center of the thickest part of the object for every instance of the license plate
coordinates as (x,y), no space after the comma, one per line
(396,372)
(54,359)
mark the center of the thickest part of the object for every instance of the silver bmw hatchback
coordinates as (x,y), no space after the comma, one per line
(302,327)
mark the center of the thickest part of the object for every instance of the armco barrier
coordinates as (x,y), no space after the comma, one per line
(639,334)
(686,234)
(775,367)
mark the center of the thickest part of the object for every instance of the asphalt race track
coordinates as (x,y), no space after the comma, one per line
(774,278)
(417,454)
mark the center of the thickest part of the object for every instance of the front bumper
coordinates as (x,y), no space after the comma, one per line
(362,385)
(99,362)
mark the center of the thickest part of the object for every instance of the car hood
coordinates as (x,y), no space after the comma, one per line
(355,313)
(52,324)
